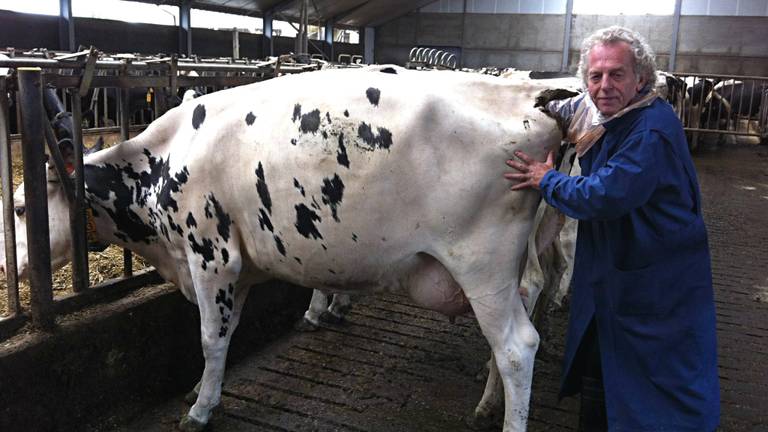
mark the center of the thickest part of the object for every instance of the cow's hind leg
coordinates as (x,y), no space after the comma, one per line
(337,310)
(220,300)
(513,341)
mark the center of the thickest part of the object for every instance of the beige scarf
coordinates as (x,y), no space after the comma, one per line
(585,133)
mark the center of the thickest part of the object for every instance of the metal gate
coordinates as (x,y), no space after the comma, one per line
(725,105)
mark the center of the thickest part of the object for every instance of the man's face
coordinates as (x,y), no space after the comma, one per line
(611,78)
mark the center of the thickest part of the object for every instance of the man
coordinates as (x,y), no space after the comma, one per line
(642,320)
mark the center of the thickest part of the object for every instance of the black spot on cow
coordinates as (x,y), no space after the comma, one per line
(198,116)
(224,299)
(305,222)
(262,189)
(174,227)
(331,271)
(164,231)
(280,245)
(250,118)
(170,185)
(389,70)
(225,255)
(373,95)
(293,141)
(315,204)
(224,221)
(296,112)
(204,249)
(341,155)
(325,134)
(231,288)
(299,187)
(264,221)
(207,209)
(324,247)
(383,140)
(310,122)
(333,192)
(106,188)
(191,222)
(328,117)
(354,237)
(298,260)
(223,331)
(346,113)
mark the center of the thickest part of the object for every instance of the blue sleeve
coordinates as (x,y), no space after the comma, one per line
(625,182)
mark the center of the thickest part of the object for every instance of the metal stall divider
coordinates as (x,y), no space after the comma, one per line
(14,305)
(36,205)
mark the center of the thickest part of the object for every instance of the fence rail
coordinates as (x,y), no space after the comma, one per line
(108,86)
(725,105)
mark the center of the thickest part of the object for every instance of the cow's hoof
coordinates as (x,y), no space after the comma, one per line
(330,318)
(305,325)
(483,423)
(188,424)
(191,397)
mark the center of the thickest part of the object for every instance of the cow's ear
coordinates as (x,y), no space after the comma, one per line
(68,154)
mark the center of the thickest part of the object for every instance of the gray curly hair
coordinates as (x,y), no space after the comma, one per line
(645,61)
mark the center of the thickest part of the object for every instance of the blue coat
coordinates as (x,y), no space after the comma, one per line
(642,271)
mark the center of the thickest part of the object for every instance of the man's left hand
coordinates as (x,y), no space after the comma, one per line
(531,170)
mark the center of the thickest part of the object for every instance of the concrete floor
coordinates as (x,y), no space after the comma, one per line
(396,367)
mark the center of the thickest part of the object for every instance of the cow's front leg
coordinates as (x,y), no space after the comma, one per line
(317,306)
(220,301)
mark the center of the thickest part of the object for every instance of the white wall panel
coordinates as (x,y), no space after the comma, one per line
(531,6)
(554,6)
(508,6)
(722,7)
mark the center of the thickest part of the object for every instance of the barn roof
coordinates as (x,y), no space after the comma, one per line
(344,13)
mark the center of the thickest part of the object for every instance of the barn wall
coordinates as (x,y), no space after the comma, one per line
(118,36)
(15,30)
(706,44)
(27,31)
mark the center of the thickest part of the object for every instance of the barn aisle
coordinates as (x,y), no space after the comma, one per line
(396,367)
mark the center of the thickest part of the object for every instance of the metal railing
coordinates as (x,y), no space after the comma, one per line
(724,105)
(74,76)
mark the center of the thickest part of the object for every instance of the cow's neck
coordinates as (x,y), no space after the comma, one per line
(130,188)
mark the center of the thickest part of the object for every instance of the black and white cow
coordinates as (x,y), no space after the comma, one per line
(352,181)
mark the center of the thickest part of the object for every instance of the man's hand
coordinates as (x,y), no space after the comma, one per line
(531,170)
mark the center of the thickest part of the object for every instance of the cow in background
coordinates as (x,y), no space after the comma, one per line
(357,181)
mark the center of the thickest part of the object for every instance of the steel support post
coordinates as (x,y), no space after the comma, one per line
(185,28)
(66,26)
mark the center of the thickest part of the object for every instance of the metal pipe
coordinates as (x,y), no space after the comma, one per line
(566,35)
(14,306)
(80,277)
(125,120)
(675,33)
(36,213)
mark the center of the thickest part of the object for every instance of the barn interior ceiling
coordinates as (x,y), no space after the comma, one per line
(343,13)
